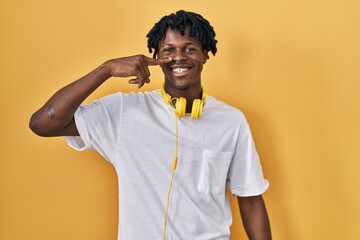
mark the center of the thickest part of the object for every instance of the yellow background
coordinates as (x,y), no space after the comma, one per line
(291,66)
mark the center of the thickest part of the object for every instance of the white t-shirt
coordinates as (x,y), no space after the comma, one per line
(136,133)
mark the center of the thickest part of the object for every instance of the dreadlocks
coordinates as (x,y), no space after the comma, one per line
(200,29)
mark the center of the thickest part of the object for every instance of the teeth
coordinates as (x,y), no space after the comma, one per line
(180,70)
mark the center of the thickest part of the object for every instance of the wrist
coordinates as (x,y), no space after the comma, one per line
(106,69)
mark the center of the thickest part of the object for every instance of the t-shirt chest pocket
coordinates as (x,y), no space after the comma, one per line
(213,171)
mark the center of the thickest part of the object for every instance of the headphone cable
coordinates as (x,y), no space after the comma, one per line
(172,174)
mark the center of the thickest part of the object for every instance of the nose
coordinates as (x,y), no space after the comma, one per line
(179,56)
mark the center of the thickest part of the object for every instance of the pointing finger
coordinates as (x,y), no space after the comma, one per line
(158,61)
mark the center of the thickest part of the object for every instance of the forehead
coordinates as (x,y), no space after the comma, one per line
(173,36)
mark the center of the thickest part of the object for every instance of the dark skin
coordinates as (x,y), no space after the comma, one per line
(255,218)
(188,57)
(181,59)
(56,117)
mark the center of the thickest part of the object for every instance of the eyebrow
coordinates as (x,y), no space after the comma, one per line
(186,43)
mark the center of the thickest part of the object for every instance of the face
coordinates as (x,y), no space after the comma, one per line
(184,72)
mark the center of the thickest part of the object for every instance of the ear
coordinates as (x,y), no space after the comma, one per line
(206,56)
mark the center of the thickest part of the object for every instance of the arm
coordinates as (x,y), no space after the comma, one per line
(255,218)
(56,117)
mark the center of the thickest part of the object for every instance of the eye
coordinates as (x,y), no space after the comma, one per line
(189,49)
(167,50)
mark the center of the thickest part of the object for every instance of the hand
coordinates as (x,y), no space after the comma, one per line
(137,66)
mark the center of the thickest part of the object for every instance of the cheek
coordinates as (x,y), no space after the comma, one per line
(163,68)
(200,64)
(205,58)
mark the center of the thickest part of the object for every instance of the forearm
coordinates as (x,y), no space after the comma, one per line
(255,217)
(55,118)
(59,110)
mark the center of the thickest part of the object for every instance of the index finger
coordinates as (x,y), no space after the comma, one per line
(158,61)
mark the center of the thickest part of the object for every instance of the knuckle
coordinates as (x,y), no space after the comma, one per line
(140,57)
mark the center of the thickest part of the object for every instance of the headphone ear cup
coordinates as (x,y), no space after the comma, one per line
(201,108)
(180,107)
(165,96)
(196,110)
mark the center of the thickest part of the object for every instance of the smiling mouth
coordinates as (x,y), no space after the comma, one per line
(179,69)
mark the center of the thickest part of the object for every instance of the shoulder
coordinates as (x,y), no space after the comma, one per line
(140,98)
(130,97)
(120,101)
(219,108)
(141,95)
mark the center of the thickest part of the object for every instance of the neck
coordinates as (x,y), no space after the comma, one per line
(189,93)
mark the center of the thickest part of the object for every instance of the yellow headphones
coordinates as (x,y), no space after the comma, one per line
(180,105)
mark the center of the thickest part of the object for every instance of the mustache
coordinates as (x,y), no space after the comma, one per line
(180,64)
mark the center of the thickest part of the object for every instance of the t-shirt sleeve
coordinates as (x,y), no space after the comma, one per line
(98,126)
(245,176)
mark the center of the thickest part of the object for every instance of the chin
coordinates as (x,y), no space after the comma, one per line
(180,84)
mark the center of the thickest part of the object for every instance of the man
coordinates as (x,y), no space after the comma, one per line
(175,150)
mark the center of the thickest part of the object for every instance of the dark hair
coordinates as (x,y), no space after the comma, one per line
(200,29)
